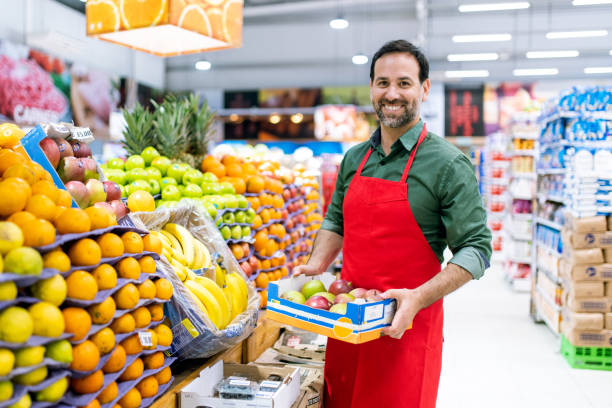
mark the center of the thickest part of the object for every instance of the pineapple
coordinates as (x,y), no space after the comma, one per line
(171,127)
(199,128)
(138,132)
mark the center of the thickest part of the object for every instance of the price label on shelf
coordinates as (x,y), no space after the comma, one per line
(145,339)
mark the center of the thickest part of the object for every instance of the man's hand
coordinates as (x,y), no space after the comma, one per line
(307,270)
(408,305)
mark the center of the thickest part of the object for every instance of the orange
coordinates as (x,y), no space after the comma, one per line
(271,247)
(10,135)
(40,172)
(38,233)
(92,404)
(132,345)
(164,375)
(57,259)
(237,251)
(133,371)
(147,290)
(81,285)
(85,356)
(109,393)
(127,297)
(164,335)
(103,312)
(157,312)
(271,276)
(85,252)
(277,275)
(284,271)
(132,242)
(116,360)
(218,170)
(239,184)
(153,361)
(142,13)
(128,268)
(105,276)
(64,198)
(124,324)
(249,169)
(132,399)
(232,21)
(14,195)
(255,184)
(148,387)
(266,264)
(262,280)
(78,322)
(261,239)
(152,243)
(59,210)
(102,16)
(274,262)
(141,201)
(163,289)
(278,202)
(21,170)
(142,316)
(46,188)
(257,221)
(229,159)
(209,162)
(9,158)
(99,217)
(263,299)
(104,340)
(73,220)
(21,217)
(255,202)
(110,245)
(89,384)
(266,215)
(234,170)
(147,264)
(154,341)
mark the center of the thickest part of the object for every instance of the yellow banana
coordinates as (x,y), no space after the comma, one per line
(234,300)
(243,288)
(179,269)
(199,303)
(165,241)
(216,291)
(167,253)
(175,245)
(191,274)
(219,276)
(185,238)
(237,294)
(198,256)
(209,301)
(206,260)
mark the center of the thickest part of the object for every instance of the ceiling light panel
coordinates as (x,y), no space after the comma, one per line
(339,23)
(598,70)
(485,56)
(482,38)
(552,54)
(590,2)
(535,71)
(515,5)
(474,73)
(556,35)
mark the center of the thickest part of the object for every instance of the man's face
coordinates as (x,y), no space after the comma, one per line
(396,91)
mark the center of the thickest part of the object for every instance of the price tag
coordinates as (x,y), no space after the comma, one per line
(81,134)
(145,339)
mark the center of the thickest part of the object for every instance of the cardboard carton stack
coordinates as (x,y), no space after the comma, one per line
(586,271)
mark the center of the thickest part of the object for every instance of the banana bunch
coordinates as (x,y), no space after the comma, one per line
(179,245)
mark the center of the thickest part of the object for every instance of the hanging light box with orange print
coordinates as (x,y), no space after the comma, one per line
(167,27)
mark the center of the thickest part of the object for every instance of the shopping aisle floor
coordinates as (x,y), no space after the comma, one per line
(496,356)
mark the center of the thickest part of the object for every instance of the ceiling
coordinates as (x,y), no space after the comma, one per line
(290,43)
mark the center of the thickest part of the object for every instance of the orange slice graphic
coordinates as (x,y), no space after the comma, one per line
(194,18)
(142,13)
(102,16)
(232,21)
(215,16)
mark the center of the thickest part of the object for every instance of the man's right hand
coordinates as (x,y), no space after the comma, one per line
(307,270)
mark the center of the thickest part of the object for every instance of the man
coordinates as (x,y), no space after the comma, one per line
(400,199)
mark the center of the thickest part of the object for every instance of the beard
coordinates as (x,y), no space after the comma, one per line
(408,114)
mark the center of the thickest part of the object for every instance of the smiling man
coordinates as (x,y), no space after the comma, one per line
(400,199)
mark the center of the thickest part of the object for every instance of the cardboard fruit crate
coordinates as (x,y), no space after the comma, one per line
(592,358)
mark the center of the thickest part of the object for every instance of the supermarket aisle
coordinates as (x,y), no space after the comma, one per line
(495,356)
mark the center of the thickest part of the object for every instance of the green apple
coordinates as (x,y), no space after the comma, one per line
(177,171)
(226,232)
(219,221)
(117,176)
(208,188)
(230,201)
(240,217)
(181,189)
(192,191)
(123,190)
(228,218)
(153,174)
(167,181)
(139,185)
(294,296)
(161,163)
(193,176)
(170,193)
(329,296)
(209,177)
(212,210)
(236,232)
(312,287)
(245,231)
(117,164)
(218,201)
(339,308)
(136,174)
(160,203)
(149,154)
(227,188)
(250,215)
(155,187)
(242,202)
(171,203)
(134,162)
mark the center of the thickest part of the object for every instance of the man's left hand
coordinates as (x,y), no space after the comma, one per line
(408,305)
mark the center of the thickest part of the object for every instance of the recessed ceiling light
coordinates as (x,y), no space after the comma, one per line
(598,70)
(203,65)
(555,35)
(485,56)
(552,54)
(610,52)
(338,23)
(535,71)
(590,2)
(474,73)
(515,5)
(481,38)
(297,118)
(274,118)
(359,59)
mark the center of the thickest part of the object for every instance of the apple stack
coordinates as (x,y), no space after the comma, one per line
(586,271)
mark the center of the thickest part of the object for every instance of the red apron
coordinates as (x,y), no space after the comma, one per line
(384,248)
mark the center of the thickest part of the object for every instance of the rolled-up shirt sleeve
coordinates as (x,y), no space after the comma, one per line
(334,219)
(464,217)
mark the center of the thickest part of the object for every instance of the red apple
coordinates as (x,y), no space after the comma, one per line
(80,149)
(286,195)
(106,206)
(344,298)
(340,286)
(50,149)
(373,295)
(318,302)
(64,148)
(79,192)
(70,169)
(112,191)
(358,292)
(246,268)
(254,262)
(97,193)
(119,208)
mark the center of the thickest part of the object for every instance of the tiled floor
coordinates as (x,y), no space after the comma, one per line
(496,356)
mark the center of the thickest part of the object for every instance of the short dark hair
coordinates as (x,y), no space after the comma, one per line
(403,46)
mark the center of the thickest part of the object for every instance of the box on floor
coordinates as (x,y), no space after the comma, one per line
(588,304)
(302,344)
(587,338)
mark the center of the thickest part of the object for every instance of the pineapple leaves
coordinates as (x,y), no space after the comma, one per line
(138,132)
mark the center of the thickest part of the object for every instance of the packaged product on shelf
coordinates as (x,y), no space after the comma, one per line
(583,240)
(548,311)
(585,272)
(608,289)
(608,255)
(608,321)
(583,321)
(588,304)
(588,338)
(311,391)
(587,289)
(586,224)
(583,256)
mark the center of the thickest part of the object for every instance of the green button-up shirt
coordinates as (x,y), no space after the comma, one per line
(442,192)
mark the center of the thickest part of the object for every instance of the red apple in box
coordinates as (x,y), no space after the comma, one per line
(358,293)
(106,206)
(71,169)
(97,193)
(79,192)
(80,149)
(119,208)
(373,295)
(254,262)
(50,149)
(340,286)
(91,170)
(112,191)
(318,302)
(344,298)
(64,148)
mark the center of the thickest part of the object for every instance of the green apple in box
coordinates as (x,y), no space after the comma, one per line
(162,163)
(209,177)
(134,162)
(149,154)
(311,287)
(193,176)
(136,174)
(167,181)
(177,171)
(155,187)
(116,164)
(192,191)
(170,193)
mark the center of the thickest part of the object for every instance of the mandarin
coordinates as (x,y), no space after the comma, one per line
(21,170)
(116,361)
(157,312)
(153,361)
(9,158)
(109,393)
(89,384)
(86,251)
(127,297)
(152,243)
(99,217)
(85,356)
(133,371)
(128,268)
(41,206)
(262,280)
(72,221)
(105,276)
(78,322)
(102,312)
(147,264)
(132,345)
(40,172)
(142,317)
(57,259)
(164,375)
(124,324)
(164,335)
(81,285)
(147,289)
(46,188)
(14,195)
(64,198)
(93,404)
(163,289)
(104,340)
(132,242)
(111,245)
(132,399)
(148,387)
(38,233)
(21,217)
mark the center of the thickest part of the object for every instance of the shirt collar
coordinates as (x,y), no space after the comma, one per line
(408,139)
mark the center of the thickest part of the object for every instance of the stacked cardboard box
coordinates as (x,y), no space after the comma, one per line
(586,271)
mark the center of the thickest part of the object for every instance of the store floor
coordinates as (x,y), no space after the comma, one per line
(496,356)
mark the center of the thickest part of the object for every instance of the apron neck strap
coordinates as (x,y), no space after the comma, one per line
(413,153)
(363,162)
